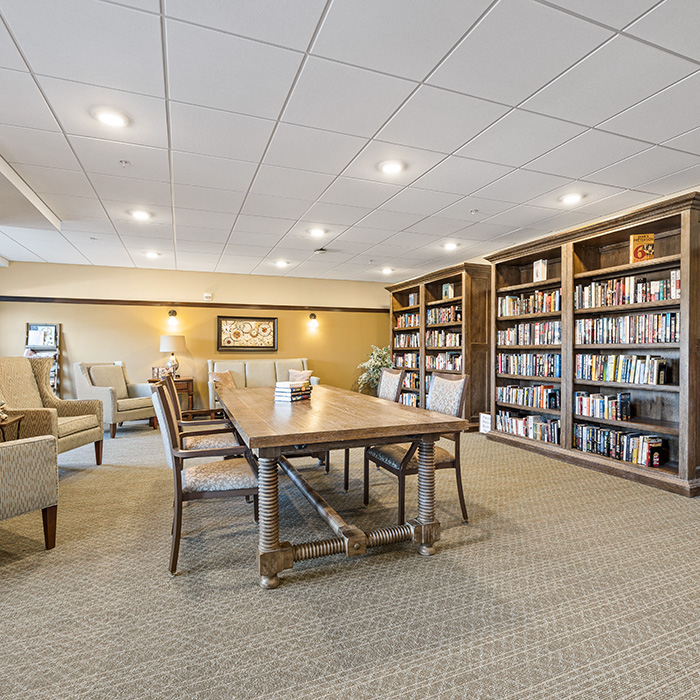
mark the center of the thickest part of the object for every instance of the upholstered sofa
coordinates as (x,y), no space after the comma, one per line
(255,372)
(24,384)
(122,400)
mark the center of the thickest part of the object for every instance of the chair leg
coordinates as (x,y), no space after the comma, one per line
(366,484)
(98,452)
(460,492)
(402,498)
(112,430)
(327,458)
(346,471)
(48,515)
(177,531)
(255,507)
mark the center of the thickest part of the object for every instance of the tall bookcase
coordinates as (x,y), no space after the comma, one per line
(44,340)
(606,376)
(440,322)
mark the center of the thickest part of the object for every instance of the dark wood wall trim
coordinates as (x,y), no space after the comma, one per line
(196,304)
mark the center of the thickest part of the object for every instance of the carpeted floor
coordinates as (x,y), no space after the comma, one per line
(566,584)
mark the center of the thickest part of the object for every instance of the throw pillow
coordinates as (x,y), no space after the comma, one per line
(300,375)
(223,378)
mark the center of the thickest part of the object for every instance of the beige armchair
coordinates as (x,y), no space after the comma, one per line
(24,384)
(122,400)
(29,481)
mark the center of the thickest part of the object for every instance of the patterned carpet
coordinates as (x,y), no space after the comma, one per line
(566,584)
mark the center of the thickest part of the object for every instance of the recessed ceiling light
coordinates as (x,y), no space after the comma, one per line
(387,270)
(152,254)
(281,263)
(140,215)
(573,198)
(391,167)
(110,117)
(450,246)
(317,232)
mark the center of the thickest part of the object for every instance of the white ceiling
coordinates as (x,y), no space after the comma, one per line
(253,121)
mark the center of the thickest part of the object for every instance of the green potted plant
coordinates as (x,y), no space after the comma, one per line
(379,358)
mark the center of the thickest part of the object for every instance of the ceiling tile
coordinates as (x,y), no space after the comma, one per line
(326,213)
(416,201)
(591,192)
(32,147)
(238,264)
(51,246)
(68,207)
(611,79)
(519,216)
(440,120)
(483,231)
(266,225)
(652,119)
(11,250)
(54,181)
(204,219)
(344,98)
(302,227)
(365,235)
(359,193)
(519,46)
(129,189)
(683,180)
(615,14)
(390,220)
(300,243)
(671,24)
(204,235)
(650,165)
(73,102)
(120,211)
(110,257)
(218,70)
(207,171)
(139,243)
(27,107)
(85,240)
(617,203)
(312,149)
(417,162)
(282,207)
(200,247)
(586,153)
(689,142)
(197,264)
(246,250)
(519,137)
(123,45)
(9,56)
(155,232)
(521,186)
(473,209)
(103,157)
(355,31)
(300,184)
(437,226)
(207,199)
(215,133)
(461,175)
(276,22)
(92,227)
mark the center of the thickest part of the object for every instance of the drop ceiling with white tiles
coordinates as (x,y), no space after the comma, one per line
(253,123)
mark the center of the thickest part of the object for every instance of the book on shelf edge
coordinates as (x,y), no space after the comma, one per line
(539,270)
(641,247)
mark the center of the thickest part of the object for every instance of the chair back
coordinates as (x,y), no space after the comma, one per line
(164,415)
(169,384)
(448,393)
(390,383)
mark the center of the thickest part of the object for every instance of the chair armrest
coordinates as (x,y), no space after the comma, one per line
(222,422)
(36,421)
(219,452)
(80,407)
(106,394)
(314,380)
(212,394)
(141,390)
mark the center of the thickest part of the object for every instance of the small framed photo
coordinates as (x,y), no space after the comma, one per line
(42,335)
(247,334)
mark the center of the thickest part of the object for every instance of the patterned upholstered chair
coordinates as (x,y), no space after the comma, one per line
(29,481)
(122,400)
(389,388)
(24,384)
(447,395)
(219,479)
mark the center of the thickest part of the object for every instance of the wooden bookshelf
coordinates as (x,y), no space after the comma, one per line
(604,296)
(461,309)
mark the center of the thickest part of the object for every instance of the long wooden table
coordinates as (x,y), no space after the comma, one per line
(332,419)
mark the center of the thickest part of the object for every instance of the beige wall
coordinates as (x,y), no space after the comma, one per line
(94,332)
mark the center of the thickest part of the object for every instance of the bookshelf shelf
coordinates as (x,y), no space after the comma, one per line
(446,300)
(530,409)
(591,265)
(454,324)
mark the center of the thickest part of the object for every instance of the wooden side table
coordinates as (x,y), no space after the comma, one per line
(184,386)
(10,421)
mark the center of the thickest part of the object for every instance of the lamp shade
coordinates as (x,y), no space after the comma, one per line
(172,343)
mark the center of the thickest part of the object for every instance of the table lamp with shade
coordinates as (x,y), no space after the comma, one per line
(172,344)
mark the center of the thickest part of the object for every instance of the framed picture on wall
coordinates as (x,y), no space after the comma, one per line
(246,333)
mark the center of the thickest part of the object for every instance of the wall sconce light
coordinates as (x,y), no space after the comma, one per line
(313,321)
(172,317)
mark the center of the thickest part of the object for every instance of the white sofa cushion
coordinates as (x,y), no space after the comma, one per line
(110,375)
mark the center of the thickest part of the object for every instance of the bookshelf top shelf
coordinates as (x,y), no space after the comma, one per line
(520,317)
(541,380)
(413,307)
(627,346)
(437,302)
(453,324)
(664,427)
(654,264)
(543,284)
(529,409)
(625,308)
(671,388)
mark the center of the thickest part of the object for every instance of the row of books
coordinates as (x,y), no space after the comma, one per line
(529,364)
(637,448)
(530,303)
(611,407)
(451,361)
(292,391)
(627,290)
(407,320)
(538,333)
(445,314)
(406,359)
(443,339)
(540,428)
(627,369)
(409,399)
(407,340)
(536,396)
(633,328)
(411,380)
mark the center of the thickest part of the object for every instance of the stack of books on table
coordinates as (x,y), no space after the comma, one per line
(292,391)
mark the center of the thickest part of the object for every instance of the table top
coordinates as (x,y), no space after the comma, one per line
(11,419)
(331,414)
(177,379)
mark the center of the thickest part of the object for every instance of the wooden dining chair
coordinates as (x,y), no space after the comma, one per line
(389,388)
(447,395)
(233,476)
